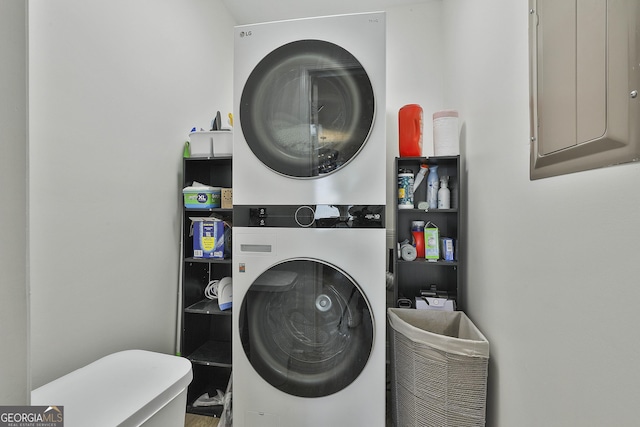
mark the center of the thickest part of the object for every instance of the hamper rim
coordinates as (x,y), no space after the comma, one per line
(461,346)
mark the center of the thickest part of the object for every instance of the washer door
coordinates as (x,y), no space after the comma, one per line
(307,108)
(306,328)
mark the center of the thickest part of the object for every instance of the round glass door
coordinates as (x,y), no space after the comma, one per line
(306,328)
(307,108)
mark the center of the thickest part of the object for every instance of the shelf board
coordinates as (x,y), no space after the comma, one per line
(425,261)
(207,306)
(209,260)
(212,353)
(431,159)
(416,210)
(207,411)
(227,211)
(195,159)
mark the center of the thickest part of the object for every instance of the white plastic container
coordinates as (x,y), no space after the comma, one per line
(222,142)
(405,190)
(215,143)
(126,389)
(200,144)
(446,137)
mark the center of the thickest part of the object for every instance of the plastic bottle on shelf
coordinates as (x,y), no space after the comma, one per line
(410,130)
(444,195)
(417,231)
(432,187)
(420,176)
(405,189)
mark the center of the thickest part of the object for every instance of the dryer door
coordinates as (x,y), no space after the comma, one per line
(306,328)
(307,108)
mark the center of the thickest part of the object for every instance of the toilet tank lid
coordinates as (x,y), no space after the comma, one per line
(124,388)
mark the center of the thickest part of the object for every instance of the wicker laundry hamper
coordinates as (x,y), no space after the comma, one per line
(439,364)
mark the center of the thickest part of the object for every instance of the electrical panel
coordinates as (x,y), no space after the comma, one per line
(584,83)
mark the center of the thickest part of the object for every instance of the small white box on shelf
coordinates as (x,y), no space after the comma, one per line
(222,142)
(214,143)
(200,144)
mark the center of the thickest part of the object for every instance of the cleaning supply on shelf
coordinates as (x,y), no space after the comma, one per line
(410,130)
(444,195)
(432,242)
(201,196)
(417,232)
(208,238)
(432,187)
(446,248)
(405,189)
(424,168)
(408,185)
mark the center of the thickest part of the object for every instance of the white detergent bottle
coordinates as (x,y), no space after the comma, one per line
(444,195)
(432,187)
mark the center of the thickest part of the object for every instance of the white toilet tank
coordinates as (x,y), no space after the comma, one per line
(129,388)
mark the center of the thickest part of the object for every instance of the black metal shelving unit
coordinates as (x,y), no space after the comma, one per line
(413,276)
(206,330)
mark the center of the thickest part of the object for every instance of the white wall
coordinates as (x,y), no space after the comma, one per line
(115,88)
(14,305)
(552,277)
(414,76)
(253,11)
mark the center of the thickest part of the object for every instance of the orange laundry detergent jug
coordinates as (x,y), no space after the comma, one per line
(410,130)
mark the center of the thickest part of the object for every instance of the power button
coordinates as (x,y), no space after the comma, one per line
(305,216)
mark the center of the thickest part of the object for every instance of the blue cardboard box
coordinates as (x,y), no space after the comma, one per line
(208,238)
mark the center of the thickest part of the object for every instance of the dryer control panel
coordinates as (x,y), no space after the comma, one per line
(309,216)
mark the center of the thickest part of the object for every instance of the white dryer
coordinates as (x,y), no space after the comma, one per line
(309,111)
(309,321)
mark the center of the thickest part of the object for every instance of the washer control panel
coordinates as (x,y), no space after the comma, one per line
(309,216)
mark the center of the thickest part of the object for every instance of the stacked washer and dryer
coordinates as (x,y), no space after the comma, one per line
(309,222)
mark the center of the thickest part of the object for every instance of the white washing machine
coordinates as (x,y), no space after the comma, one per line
(309,111)
(309,319)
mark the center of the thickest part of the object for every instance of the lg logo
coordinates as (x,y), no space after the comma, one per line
(245,34)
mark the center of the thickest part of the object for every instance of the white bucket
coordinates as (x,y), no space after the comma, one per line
(126,389)
(446,139)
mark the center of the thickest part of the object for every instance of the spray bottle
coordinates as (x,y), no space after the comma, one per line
(444,195)
(432,187)
(420,177)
